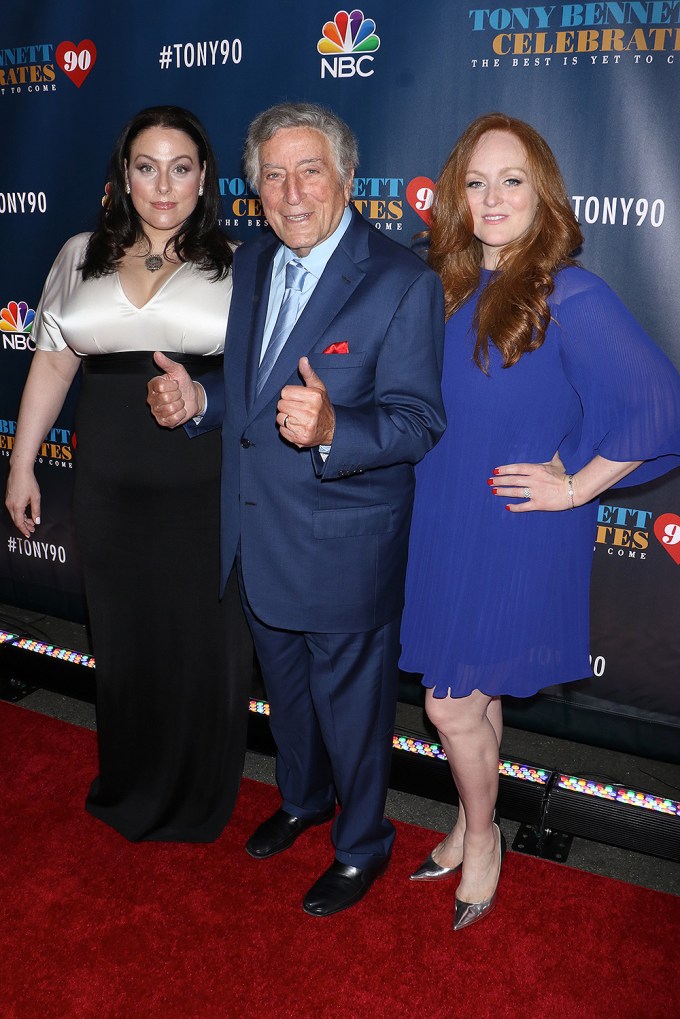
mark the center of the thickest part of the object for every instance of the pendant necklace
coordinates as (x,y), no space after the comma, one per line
(153,262)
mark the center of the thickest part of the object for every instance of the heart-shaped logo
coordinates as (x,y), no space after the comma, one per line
(667,532)
(77,61)
(419,195)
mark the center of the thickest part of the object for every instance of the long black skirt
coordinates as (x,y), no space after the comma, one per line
(173,661)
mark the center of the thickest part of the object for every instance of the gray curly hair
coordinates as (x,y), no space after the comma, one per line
(341,138)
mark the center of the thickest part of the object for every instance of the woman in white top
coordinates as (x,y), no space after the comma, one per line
(172,675)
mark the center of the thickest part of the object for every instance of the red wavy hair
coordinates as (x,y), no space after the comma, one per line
(512,311)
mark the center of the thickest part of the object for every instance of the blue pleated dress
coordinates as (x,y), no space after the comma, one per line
(498,601)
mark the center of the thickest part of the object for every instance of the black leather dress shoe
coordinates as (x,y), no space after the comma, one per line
(340,887)
(280,831)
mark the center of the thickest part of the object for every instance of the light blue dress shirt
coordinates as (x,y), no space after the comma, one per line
(315,263)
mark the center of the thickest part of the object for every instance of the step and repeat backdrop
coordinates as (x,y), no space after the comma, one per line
(601,81)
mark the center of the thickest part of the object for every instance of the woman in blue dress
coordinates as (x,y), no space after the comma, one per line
(554,394)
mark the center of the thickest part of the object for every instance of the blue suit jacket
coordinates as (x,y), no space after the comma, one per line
(323,545)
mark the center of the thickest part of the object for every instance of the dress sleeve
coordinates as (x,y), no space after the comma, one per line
(628,389)
(63,277)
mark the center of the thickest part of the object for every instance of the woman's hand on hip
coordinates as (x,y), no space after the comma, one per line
(541,486)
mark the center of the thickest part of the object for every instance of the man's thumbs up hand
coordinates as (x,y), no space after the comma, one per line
(173,397)
(305,414)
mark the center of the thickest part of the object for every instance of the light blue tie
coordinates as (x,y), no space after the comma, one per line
(286,319)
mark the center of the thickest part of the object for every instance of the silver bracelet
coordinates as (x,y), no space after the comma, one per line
(570,482)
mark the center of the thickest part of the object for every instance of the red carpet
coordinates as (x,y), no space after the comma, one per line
(96,927)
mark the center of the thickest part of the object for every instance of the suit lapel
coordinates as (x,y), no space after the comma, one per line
(260,300)
(338,282)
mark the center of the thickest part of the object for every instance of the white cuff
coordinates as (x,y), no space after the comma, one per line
(199,417)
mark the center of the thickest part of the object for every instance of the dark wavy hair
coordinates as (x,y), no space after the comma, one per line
(512,310)
(199,239)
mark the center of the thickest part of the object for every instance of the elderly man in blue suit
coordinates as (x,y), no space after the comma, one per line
(330,395)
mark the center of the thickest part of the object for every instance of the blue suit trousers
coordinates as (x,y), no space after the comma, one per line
(333,702)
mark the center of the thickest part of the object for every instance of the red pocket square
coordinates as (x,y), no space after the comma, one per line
(338,348)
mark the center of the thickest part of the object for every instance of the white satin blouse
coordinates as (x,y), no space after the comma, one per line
(187,315)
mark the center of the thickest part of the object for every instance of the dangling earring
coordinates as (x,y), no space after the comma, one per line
(200,190)
(127,186)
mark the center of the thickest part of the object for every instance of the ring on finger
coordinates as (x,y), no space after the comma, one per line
(527,493)
(285,421)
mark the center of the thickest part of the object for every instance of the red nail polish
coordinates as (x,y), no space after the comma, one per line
(507,507)
(494,491)
(496,471)
(490,481)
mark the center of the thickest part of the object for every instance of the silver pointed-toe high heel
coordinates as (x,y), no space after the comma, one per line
(467,913)
(431,871)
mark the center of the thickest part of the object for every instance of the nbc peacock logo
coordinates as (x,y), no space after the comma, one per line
(16,322)
(346,45)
